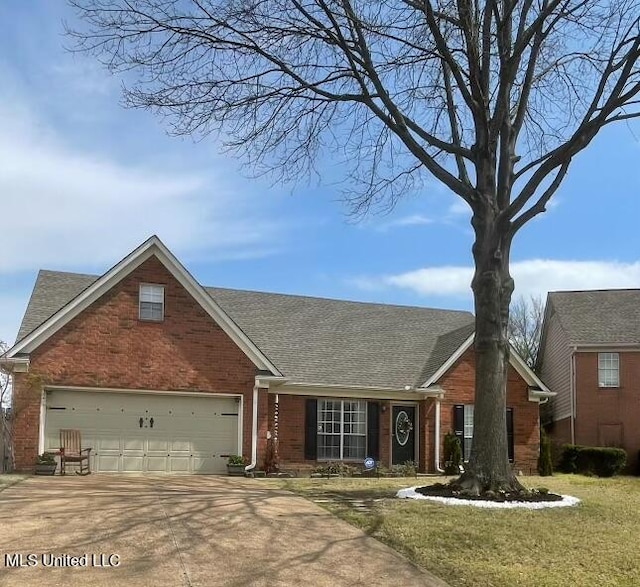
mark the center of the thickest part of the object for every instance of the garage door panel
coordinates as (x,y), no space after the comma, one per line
(189,434)
(158,444)
(132,464)
(106,442)
(157,464)
(181,445)
(106,463)
(180,464)
(133,443)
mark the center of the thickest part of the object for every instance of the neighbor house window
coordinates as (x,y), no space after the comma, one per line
(152,302)
(608,369)
(342,429)
(468,431)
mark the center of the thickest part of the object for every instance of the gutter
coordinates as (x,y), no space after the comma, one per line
(260,381)
(437,393)
(437,438)
(254,430)
(572,396)
(14,364)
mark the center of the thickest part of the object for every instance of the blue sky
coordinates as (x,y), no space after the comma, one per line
(83,181)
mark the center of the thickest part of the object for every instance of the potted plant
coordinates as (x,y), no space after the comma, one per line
(45,464)
(235,466)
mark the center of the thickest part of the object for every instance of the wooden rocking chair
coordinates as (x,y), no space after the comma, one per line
(71,451)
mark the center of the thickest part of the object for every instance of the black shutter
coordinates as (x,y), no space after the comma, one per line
(373,430)
(458,425)
(510,445)
(311,430)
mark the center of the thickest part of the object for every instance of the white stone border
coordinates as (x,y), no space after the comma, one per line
(567,501)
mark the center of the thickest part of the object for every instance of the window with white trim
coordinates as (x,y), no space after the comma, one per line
(608,370)
(342,429)
(151,302)
(468,431)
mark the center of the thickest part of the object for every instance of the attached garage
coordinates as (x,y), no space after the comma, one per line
(147,432)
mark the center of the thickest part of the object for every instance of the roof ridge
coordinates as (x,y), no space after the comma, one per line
(289,295)
(603,290)
(338,300)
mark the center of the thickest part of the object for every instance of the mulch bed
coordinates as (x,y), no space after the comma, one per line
(533,495)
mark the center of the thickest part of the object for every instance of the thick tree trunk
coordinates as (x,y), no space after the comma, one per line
(489,468)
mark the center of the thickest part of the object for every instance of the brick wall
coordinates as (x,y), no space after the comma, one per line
(459,386)
(608,416)
(107,346)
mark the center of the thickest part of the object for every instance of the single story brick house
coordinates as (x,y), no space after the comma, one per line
(161,374)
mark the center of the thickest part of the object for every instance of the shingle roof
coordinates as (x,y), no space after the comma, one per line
(599,316)
(311,340)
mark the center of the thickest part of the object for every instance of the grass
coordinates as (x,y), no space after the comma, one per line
(8,480)
(595,543)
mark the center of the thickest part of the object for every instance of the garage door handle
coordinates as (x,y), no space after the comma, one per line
(151,423)
(140,422)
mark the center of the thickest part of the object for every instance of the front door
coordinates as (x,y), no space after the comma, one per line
(403,445)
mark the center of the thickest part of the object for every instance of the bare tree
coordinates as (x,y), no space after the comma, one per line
(5,424)
(525,327)
(493,98)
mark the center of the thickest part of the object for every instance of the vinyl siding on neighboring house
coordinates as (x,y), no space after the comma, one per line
(556,366)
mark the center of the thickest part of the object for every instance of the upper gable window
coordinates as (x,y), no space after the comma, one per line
(608,370)
(152,302)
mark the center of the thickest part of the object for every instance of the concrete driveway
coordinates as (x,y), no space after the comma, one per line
(184,531)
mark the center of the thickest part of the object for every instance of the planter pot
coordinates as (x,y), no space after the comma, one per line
(235,470)
(46,469)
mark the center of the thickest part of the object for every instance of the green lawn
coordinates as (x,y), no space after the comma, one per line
(595,543)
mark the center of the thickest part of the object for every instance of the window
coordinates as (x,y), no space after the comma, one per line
(463,429)
(468,431)
(608,370)
(152,302)
(342,429)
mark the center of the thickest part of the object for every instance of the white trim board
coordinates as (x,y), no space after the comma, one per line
(515,360)
(151,247)
(207,394)
(345,391)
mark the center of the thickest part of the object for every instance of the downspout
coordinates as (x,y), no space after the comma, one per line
(573,395)
(437,438)
(254,431)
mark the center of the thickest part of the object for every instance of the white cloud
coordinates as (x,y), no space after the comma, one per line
(532,277)
(412,220)
(67,208)
(459,208)
(409,220)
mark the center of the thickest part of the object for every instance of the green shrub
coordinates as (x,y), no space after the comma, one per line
(545,466)
(338,468)
(452,454)
(46,458)
(592,460)
(235,460)
(406,469)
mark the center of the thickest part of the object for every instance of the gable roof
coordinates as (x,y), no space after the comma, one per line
(598,317)
(88,293)
(310,340)
(316,340)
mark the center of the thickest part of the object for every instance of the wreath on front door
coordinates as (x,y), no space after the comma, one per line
(404,426)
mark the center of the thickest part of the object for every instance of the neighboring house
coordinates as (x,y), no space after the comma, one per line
(163,375)
(590,356)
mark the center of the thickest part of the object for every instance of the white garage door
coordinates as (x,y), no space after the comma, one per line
(138,433)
